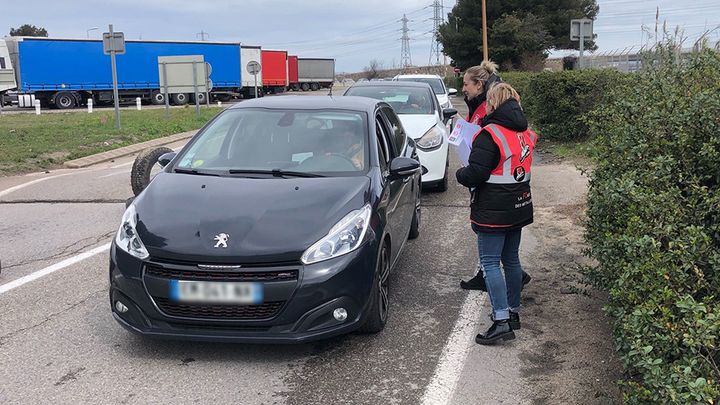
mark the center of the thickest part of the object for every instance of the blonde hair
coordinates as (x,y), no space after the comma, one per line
(499,94)
(483,71)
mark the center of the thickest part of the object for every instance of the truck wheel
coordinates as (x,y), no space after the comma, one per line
(141,172)
(179,98)
(65,100)
(304,87)
(201,98)
(157,98)
(314,86)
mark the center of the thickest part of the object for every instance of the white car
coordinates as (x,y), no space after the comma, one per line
(436,82)
(422,119)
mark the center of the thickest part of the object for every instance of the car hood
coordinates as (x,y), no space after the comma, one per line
(416,125)
(267,220)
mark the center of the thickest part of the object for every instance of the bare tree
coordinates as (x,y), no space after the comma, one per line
(373,69)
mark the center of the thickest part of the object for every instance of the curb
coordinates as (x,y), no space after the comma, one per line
(126,150)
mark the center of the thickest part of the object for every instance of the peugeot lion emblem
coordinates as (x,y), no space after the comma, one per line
(221,240)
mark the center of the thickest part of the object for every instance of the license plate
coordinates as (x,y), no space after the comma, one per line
(216,292)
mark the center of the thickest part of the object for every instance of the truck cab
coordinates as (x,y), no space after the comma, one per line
(7,74)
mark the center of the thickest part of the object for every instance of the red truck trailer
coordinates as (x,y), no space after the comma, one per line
(274,71)
(294,83)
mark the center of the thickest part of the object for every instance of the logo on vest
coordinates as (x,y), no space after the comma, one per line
(524,148)
(519,173)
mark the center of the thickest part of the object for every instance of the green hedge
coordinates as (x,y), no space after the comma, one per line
(556,103)
(654,225)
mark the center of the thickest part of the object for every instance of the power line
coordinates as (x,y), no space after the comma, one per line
(202,35)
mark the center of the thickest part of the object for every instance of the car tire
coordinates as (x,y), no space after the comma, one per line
(157,98)
(142,167)
(415,224)
(377,309)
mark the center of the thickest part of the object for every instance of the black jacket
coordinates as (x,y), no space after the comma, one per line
(474,103)
(484,158)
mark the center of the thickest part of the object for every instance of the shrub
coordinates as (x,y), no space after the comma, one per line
(654,222)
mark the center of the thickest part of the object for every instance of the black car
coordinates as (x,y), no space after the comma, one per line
(278,222)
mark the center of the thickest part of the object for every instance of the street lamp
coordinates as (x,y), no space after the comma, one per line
(91,29)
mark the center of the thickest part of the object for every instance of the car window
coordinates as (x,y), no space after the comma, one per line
(436,83)
(383,151)
(384,133)
(396,129)
(327,142)
(404,100)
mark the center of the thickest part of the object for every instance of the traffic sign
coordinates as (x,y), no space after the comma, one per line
(114,42)
(253,67)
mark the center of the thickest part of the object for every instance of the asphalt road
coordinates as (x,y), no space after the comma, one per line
(59,343)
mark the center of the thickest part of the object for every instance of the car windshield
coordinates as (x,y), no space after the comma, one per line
(435,83)
(279,142)
(404,100)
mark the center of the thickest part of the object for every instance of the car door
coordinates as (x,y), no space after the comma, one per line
(392,189)
(403,146)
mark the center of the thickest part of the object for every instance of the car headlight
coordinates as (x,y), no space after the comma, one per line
(432,139)
(127,238)
(343,238)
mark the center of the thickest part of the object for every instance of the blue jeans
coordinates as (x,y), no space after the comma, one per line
(504,292)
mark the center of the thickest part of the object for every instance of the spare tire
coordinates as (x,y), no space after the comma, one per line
(142,167)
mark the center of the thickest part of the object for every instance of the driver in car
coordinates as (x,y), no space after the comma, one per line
(348,142)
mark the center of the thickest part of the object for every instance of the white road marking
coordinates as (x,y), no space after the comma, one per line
(51,269)
(30,183)
(455,352)
(113,174)
(122,165)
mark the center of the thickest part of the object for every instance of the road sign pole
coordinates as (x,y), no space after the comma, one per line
(582,46)
(195,89)
(116,97)
(256,94)
(165,91)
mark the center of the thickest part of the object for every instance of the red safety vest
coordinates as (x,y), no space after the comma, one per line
(505,201)
(479,114)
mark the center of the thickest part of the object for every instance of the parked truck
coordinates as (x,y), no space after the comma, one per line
(251,54)
(274,71)
(7,74)
(65,73)
(315,73)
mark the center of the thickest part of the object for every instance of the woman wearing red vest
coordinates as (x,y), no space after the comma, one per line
(476,83)
(499,171)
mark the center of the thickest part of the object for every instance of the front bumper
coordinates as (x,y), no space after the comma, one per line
(305,312)
(435,162)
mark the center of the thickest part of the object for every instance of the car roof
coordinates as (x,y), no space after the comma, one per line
(311,103)
(393,84)
(418,76)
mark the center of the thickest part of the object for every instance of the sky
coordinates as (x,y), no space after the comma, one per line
(351,32)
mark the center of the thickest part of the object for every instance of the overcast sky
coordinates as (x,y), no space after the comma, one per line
(351,32)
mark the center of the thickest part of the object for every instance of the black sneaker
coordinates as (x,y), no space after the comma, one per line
(475,283)
(514,320)
(525,279)
(500,330)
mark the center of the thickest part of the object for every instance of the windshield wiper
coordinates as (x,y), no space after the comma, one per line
(275,172)
(194,171)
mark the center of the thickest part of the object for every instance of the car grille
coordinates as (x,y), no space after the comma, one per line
(214,275)
(219,311)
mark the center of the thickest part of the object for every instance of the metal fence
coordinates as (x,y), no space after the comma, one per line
(630,59)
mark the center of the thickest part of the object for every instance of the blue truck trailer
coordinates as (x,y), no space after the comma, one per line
(65,73)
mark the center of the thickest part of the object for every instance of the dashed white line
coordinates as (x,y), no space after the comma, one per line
(51,269)
(113,174)
(455,352)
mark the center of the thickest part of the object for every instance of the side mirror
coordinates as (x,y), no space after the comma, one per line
(448,113)
(452,91)
(166,158)
(402,167)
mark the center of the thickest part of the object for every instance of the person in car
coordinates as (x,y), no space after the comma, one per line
(499,173)
(476,83)
(348,143)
